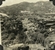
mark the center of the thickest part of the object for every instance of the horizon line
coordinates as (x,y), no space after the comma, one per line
(22,2)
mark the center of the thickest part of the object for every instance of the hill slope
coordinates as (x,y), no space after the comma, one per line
(16,30)
(38,7)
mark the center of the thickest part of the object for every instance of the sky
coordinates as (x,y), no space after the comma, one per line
(11,2)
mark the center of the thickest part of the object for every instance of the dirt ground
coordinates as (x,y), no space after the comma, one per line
(31,47)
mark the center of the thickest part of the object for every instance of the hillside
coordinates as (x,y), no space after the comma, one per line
(23,24)
(38,7)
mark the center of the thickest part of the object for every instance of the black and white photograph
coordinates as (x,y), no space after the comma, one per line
(27,24)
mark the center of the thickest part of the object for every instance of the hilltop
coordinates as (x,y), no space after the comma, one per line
(38,7)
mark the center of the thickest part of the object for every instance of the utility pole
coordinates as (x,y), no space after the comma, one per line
(1,47)
(0,32)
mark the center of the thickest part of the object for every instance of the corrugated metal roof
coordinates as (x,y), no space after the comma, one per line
(50,24)
(50,13)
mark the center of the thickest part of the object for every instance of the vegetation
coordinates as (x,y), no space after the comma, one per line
(24,23)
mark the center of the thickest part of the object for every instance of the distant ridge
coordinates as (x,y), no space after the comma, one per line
(38,7)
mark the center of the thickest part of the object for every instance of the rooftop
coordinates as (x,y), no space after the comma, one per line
(50,13)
